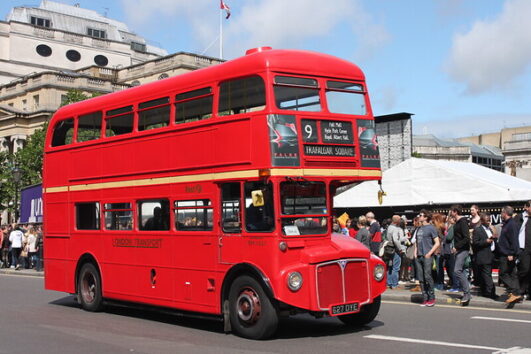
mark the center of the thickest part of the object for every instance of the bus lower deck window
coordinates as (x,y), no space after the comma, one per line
(88,216)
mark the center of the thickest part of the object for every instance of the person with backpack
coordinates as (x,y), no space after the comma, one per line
(396,240)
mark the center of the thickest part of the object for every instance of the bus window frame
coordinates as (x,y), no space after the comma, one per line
(174,209)
(281,216)
(107,117)
(175,102)
(138,215)
(217,97)
(131,209)
(102,132)
(138,111)
(363,92)
(318,88)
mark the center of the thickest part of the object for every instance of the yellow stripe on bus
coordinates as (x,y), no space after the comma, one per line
(215,177)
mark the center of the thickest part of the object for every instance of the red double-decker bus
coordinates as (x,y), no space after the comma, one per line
(211,192)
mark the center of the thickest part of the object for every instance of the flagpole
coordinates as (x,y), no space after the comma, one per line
(221,34)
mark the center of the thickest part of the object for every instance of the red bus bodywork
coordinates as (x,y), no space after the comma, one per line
(191,269)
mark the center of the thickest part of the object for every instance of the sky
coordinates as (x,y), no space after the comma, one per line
(462,67)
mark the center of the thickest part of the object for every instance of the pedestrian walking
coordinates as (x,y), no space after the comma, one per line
(16,237)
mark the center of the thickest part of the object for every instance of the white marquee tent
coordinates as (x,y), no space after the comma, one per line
(434,182)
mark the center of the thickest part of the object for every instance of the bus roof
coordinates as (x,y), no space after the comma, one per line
(259,60)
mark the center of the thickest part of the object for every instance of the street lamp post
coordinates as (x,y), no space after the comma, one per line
(17,175)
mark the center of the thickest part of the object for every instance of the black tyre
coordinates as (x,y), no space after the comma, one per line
(366,314)
(89,288)
(252,315)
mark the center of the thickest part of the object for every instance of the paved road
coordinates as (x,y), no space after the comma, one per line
(33,320)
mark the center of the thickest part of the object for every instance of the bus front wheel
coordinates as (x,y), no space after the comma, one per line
(366,314)
(89,288)
(252,315)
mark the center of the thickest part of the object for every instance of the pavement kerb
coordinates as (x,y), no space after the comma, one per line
(453,299)
(22,272)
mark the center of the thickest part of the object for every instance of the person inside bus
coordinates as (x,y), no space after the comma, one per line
(257,218)
(159,220)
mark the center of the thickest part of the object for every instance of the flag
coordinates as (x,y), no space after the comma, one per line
(225,7)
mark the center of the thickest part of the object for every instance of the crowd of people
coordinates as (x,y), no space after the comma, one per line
(466,247)
(21,247)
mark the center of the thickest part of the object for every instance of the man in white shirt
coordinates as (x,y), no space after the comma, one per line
(16,237)
(524,257)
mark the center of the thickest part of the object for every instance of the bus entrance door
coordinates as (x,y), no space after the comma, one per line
(231,223)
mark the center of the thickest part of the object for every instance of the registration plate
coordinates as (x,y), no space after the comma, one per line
(344,308)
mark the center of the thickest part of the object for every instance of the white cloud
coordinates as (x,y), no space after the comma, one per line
(494,53)
(276,23)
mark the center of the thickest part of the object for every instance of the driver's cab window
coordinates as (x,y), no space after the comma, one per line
(230,199)
(259,207)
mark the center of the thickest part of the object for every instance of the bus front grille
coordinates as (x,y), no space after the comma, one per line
(342,281)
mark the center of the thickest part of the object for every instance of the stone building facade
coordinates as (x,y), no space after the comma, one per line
(33,86)
(394,133)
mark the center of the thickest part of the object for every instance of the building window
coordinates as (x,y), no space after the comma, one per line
(41,22)
(73,55)
(36,101)
(135,83)
(101,60)
(43,50)
(138,47)
(88,216)
(96,33)
(163,76)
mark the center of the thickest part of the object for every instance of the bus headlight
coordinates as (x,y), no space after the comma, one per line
(379,272)
(294,281)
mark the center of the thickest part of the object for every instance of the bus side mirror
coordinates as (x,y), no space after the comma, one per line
(258,198)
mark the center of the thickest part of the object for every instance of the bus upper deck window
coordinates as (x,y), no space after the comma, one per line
(119,121)
(241,96)
(63,132)
(89,127)
(154,114)
(345,98)
(193,105)
(297,94)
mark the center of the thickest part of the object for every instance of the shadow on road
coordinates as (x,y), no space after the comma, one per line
(299,326)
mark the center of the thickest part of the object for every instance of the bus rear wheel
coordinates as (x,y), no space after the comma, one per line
(252,315)
(366,314)
(89,288)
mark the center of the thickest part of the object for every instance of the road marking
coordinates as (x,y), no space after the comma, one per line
(460,308)
(499,319)
(423,341)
